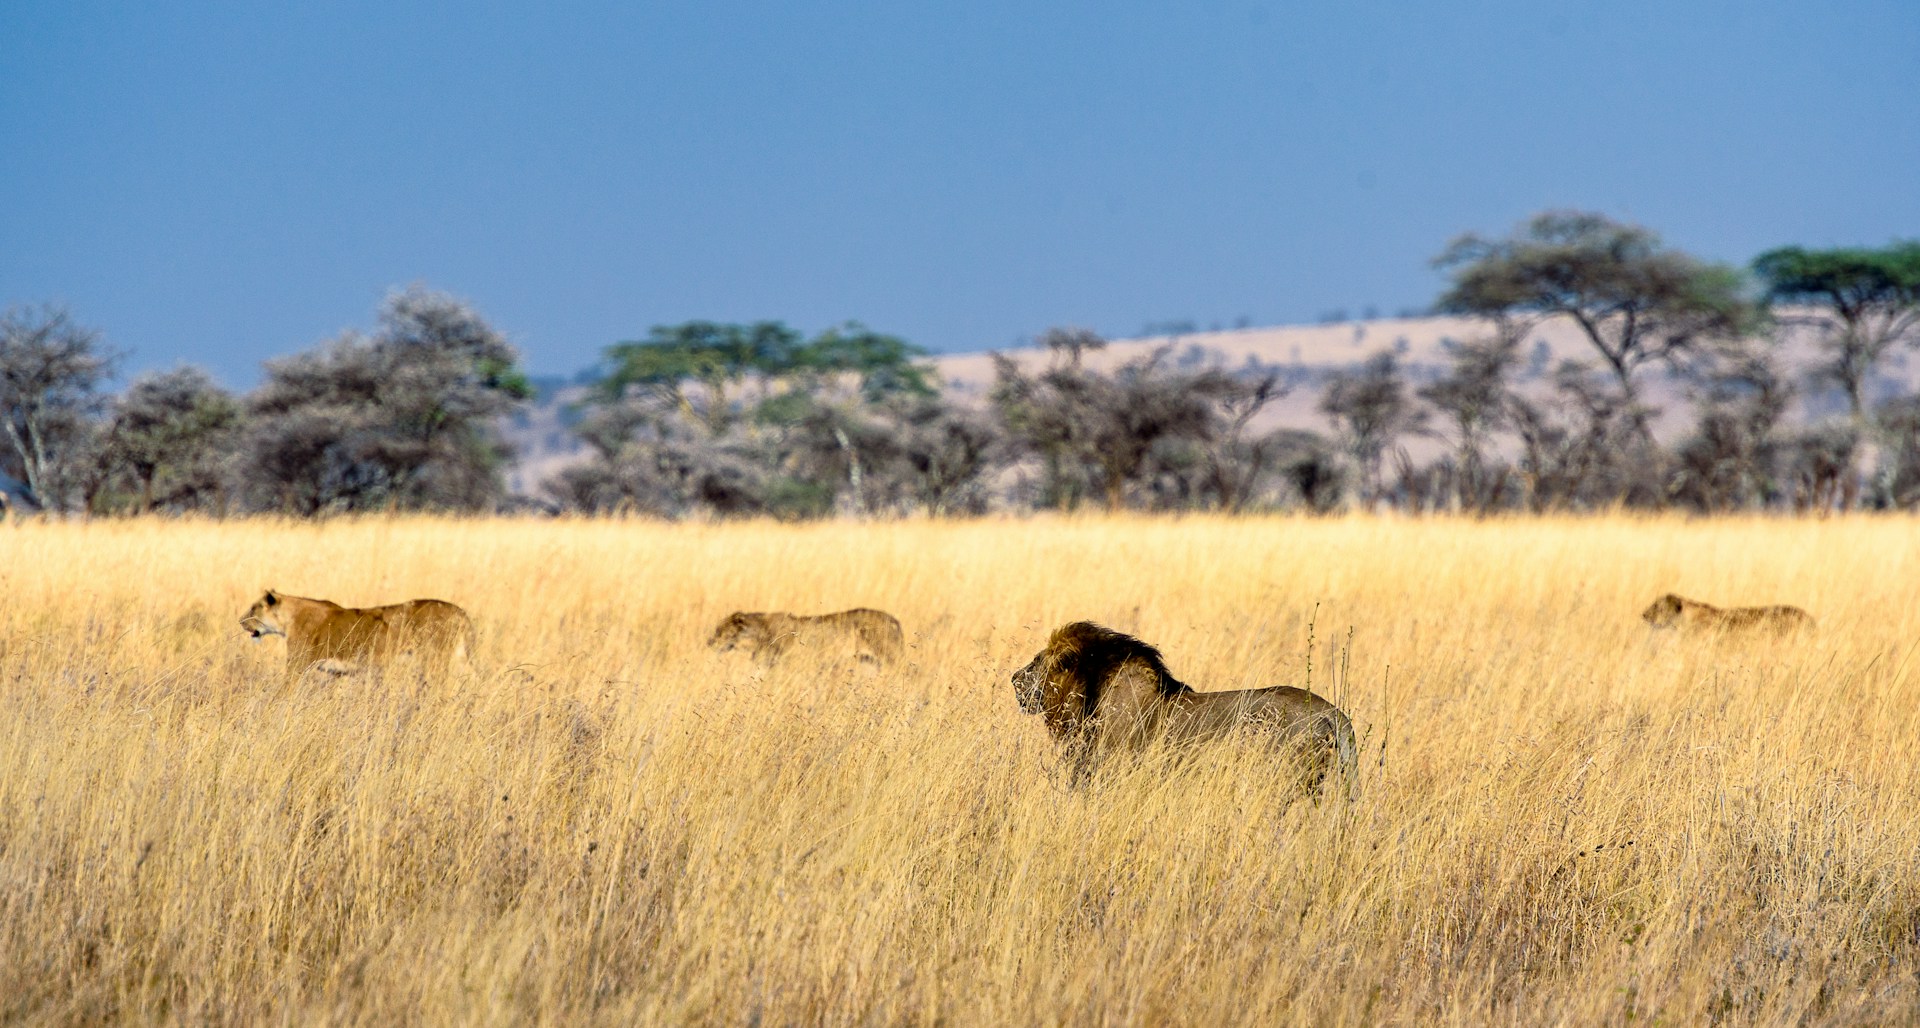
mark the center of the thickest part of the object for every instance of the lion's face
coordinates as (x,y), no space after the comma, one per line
(736,631)
(1663,612)
(263,618)
(1029,684)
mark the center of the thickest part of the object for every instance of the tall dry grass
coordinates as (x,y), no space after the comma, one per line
(1562,818)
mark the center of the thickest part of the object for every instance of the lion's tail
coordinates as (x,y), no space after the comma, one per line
(1347,752)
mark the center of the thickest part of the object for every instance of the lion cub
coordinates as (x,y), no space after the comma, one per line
(1676,611)
(867,635)
(341,640)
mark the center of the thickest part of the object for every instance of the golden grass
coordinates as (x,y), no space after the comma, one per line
(1562,819)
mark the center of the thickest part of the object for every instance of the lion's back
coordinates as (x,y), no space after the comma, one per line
(422,615)
(434,629)
(1701,617)
(877,628)
(863,632)
(1304,725)
(1282,707)
(1777,618)
(441,628)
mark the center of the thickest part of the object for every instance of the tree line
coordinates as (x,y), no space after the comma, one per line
(716,419)
(399,418)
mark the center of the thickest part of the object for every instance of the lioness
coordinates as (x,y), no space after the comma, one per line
(1101,691)
(1676,611)
(867,635)
(340,640)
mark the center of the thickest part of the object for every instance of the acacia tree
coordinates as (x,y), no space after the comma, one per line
(1634,300)
(790,425)
(1863,302)
(830,416)
(713,356)
(50,371)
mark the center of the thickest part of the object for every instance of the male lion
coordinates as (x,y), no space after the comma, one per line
(340,640)
(866,635)
(1675,611)
(1100,691)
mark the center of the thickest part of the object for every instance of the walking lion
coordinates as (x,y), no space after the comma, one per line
(1101,691)
(324,635)
(861,634)
(1676,611)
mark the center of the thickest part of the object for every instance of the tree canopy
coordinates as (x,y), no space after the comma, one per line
(402,418)
(1870,299)
(1634,299)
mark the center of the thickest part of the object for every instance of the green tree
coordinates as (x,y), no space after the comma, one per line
(1865,301)
(716,357)
(882,365)
(810,419)
(1635,300)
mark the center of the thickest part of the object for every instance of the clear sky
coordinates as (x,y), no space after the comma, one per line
(218,182)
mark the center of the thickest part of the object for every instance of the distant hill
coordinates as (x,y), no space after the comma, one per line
(1305,355)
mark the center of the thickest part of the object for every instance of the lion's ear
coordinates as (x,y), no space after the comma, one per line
(271,598)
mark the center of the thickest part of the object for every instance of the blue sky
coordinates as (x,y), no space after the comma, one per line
(221,182)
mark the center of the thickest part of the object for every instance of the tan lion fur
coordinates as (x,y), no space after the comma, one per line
(323,634)
(1101,691)
(861,633)
(1676,611)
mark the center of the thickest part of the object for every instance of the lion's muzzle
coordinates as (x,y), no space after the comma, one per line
(1026,687)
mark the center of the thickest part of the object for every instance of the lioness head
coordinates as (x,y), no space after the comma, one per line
(263,618)
(739,629)
(1664,611)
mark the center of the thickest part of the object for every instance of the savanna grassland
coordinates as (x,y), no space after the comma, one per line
(1562,818)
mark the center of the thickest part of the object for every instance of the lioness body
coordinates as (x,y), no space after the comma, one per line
(861,633)
(1100,691)
(1676,611)
(321,633)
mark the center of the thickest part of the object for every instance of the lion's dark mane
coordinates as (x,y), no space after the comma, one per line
(1092,653)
